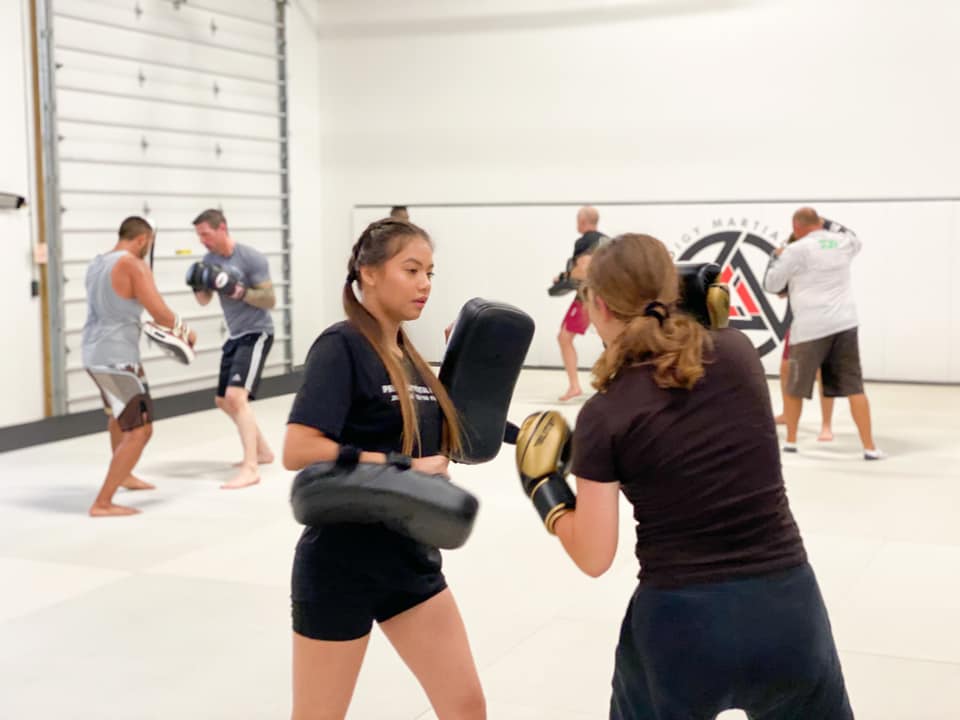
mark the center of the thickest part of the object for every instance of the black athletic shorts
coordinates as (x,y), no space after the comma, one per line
(346,577)
(242,362)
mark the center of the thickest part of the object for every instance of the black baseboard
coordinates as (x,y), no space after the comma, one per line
(63,427)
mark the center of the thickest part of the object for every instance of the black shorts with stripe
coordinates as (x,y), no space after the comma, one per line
(242,362)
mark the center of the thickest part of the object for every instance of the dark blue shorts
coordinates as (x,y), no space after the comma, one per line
(762,645)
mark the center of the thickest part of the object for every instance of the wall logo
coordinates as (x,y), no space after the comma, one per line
(742,248)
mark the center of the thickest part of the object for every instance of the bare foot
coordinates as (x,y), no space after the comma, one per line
(826,435)
(571,394)
(111,510)
(135,483)
(246,477)
(780,419)
(263,458)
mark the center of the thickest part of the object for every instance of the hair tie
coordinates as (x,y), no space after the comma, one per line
(653,310)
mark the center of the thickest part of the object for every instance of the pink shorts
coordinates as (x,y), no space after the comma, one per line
(576,320)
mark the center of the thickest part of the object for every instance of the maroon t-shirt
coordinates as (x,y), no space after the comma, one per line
(701,468)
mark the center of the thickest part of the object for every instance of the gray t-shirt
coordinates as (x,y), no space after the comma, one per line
(252,267)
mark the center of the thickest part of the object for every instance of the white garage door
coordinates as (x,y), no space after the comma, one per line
(161,108)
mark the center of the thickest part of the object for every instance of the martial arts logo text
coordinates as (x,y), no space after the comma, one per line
(742,247)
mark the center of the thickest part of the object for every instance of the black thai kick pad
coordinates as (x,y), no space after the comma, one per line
(485,354)
(428,508)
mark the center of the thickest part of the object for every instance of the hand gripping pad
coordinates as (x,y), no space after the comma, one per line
(170,342)
(428,508)
(487,347)
(702,295)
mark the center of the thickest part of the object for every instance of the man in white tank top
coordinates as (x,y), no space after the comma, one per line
(119,286)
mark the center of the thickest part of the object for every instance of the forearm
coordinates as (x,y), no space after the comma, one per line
(579,269)
(300,450)
(578,546)
(263,298)
(164,316)
(775,279)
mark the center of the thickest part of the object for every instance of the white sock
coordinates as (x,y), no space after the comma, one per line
(790,447)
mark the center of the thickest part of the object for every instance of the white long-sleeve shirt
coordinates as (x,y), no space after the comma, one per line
(816,272)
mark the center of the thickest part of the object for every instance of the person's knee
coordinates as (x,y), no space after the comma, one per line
(565,338)
(468,703)
(137,436)
(235,400)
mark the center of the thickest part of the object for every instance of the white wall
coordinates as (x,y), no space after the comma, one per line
(21,363)
(306,205)
(899,303)
(799,100)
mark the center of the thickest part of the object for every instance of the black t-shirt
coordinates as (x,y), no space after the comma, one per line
(700,467)
(587,243)
(346,394)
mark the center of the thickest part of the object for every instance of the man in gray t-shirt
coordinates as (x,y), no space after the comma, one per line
(240,275)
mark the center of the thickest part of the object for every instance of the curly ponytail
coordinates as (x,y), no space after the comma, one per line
(636,278)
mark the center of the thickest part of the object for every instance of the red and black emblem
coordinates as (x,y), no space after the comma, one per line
(743,257)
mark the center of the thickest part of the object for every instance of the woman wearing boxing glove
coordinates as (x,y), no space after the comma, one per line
(727,612)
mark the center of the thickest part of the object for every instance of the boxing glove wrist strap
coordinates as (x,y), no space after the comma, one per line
(552,497)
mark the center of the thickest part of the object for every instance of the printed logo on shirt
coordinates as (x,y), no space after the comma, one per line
(419,393)
(236,378)
(742,248)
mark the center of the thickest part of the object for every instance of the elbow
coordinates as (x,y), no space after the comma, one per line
(595,568)
(291,458)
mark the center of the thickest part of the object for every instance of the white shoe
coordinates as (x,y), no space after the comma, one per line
(877,454)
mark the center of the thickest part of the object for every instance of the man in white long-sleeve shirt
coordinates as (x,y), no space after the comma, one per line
(815,271)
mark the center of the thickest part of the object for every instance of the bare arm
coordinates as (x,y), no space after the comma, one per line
(143,289)
(304,445)
(589,533)
(579,269)
(261,296)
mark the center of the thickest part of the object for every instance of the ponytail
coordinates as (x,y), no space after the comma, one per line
(626,273)
(375,246)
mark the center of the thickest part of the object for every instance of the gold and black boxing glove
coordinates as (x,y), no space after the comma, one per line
(718,305)
(543,454)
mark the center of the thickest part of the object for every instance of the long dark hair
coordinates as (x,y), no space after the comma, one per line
(379,242)
(636,277)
